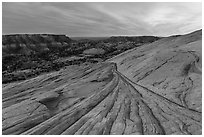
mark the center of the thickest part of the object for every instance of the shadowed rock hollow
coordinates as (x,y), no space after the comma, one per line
(152,89)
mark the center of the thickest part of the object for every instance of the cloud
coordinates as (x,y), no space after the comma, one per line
(101,19)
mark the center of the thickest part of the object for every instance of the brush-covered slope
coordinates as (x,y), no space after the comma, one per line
(153,89)
(137,39)
(28,55)
(27,43)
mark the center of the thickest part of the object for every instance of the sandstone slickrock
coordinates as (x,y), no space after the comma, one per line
(94,51)
(153,89)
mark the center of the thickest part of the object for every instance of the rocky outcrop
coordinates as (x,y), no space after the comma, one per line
(152,90)
(94,51)
(82,104)
(171,66)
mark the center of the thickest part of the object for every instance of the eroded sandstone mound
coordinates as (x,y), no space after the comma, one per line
(153,89)
(94,51)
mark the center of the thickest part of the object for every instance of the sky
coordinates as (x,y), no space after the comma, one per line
(101,19)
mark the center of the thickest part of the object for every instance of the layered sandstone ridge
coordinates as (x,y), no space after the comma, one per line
(152,89)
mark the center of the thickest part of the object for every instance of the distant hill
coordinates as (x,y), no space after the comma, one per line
(88,38)
(138,39)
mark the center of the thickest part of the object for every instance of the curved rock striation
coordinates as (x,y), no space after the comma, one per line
(151,90)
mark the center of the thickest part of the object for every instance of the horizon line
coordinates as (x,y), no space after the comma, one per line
(100,36)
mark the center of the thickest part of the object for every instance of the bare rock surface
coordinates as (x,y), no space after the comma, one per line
(94,51)
(150,90)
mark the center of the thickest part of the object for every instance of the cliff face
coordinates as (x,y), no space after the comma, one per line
(27,43)
(153,89)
